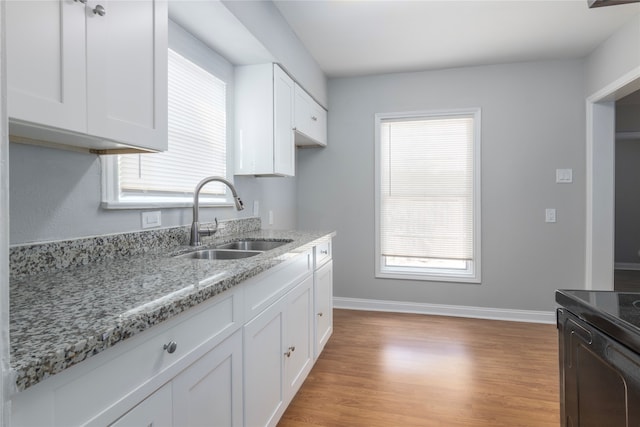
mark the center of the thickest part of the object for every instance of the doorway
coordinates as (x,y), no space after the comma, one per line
(627,194)
(600,180)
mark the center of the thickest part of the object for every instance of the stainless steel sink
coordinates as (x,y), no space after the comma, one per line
(253,245)
(219,254)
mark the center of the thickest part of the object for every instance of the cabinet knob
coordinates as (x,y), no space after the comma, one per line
(171,347)
(99,10)
(325,252)
(320,314)
(80,1)
(289,350)
(314,118)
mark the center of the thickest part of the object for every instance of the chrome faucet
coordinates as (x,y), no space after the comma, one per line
(195,226)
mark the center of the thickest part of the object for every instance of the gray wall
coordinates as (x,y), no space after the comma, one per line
(55,194)
(264,21)
(533,121)
(617,56)
(627,229)
(628,117)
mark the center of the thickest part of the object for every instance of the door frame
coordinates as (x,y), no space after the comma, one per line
(600,180)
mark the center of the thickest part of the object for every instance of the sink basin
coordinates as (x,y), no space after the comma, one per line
(253,245)
(219,254)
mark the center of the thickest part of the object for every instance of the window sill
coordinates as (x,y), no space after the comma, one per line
(428,277)
(119,205)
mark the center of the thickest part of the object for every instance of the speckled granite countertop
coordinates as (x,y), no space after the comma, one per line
(60,318)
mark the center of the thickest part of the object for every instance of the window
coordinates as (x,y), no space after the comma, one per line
(197,132)
(428,196)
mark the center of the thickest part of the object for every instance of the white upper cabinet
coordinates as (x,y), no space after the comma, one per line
(46,63)
(264,121)
(310,120)
(88,74)
(127,72)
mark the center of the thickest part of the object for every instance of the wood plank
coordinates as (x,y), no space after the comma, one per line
(392,369)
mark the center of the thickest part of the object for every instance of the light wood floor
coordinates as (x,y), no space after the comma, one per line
(390,369)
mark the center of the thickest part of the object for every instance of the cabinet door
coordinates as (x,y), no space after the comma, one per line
(154,411)
(323,300)
(263,367)
(283,145)
(46,63)
(310,120)
(209,392)
(127,71)
(299,336)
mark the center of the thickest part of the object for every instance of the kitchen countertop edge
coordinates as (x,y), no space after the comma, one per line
(31,369)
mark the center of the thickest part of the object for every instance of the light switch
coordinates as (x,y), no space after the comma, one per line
(564,176)
(550,215)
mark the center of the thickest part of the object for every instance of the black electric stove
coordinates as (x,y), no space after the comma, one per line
(615,313)
(599,349)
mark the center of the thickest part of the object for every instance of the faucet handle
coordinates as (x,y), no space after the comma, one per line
(209,231)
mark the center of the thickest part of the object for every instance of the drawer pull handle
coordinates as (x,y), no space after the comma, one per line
(314,118)
(291,349)
(320,314)
(99,10)
(324,252)
(171,347)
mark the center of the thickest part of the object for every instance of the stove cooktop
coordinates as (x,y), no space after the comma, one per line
(616,313)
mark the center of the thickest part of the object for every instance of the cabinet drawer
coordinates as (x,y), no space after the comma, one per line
(322,253)
(264,289)
(154,411)
(104,386)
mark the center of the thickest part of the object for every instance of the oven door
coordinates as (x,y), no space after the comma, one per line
(599,377)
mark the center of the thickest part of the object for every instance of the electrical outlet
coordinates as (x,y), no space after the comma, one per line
(151,219)
(550,215)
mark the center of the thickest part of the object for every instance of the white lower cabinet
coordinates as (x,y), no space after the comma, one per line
(278,355)
(298,359)
(239,359)
(323,306)
(209,392)
(263,363)
(154,411)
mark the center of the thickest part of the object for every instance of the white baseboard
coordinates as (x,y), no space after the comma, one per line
(627,266)
(530,316)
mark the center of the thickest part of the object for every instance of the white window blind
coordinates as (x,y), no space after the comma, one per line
(427,187)
(197,138)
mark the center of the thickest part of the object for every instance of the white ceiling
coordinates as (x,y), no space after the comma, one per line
(360,37)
